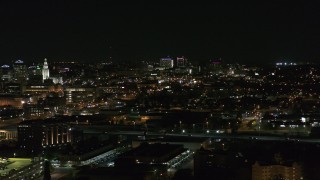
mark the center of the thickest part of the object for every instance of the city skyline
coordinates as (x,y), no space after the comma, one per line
(235,31)
(159,90)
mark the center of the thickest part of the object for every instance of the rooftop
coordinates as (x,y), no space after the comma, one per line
(152,150)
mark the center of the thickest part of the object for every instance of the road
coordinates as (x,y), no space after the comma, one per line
(217,136)
(60,172)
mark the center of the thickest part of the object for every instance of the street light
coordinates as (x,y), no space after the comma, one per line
(180,124)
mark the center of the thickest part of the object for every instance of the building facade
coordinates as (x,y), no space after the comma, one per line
(19,71)
(181,62)
(262,171)
(45,70)
(35,135)
(167,63)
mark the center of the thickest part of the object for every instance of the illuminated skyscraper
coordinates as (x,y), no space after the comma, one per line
(45,70)
(6,73)
(166,62)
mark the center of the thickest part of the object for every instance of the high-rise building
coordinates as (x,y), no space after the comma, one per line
(34,70)
(45,70)
(181,61)
(6,73)
(19,71)
(35,74)
(167,63)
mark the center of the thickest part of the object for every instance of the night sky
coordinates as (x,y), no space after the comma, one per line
(236,31)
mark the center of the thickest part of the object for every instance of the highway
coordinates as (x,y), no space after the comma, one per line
(216,136)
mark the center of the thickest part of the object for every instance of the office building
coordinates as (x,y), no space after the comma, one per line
(34,135)
(6,73)
(181,61)
(19,71)
(167,63)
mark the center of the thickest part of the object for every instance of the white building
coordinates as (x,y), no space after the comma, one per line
(45,70)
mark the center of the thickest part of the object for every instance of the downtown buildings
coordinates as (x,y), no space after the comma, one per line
(221,99)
